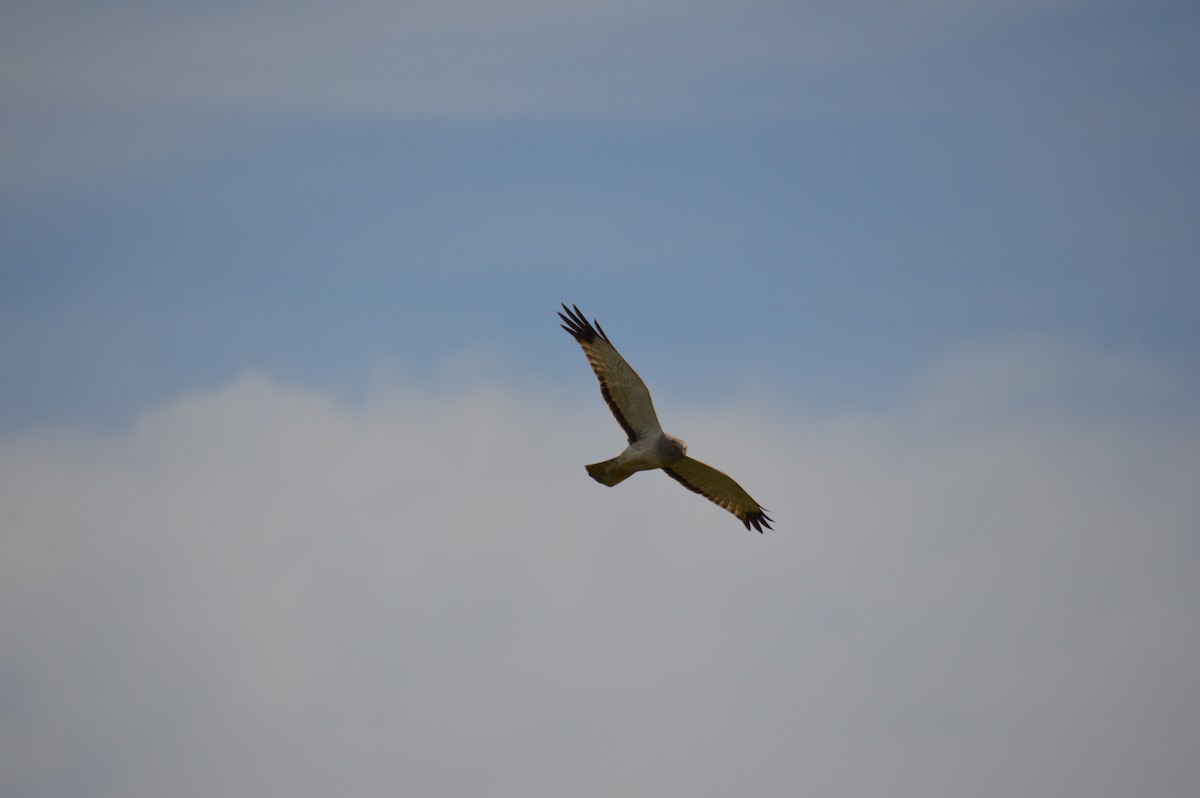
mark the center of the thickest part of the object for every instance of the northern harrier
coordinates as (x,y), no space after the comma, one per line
(650,447)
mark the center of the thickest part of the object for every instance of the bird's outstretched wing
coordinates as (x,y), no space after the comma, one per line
(621,387)
(720,489)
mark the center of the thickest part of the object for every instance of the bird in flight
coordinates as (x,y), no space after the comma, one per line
(650,447)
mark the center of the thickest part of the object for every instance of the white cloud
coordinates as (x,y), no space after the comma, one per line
(261,591)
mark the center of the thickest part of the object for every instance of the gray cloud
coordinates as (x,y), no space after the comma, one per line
(89,89)
(261,591)
(470,57)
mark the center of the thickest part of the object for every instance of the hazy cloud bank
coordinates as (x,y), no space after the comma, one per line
(261,591)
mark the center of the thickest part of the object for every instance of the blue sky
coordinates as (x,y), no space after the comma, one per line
(288,417)
(828,197)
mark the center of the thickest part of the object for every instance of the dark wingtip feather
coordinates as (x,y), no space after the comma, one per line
(759,519)
(579,327)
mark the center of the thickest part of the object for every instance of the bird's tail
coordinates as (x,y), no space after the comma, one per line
(607,473)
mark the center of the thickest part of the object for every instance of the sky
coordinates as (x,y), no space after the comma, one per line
(291,446)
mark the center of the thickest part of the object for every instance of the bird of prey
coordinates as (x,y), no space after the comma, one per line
(650,447)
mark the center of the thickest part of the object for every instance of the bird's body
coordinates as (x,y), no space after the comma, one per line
(649,447)
(644,454)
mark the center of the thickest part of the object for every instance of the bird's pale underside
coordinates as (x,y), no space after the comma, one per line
(649,447)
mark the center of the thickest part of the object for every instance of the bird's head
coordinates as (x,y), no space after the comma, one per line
(675,447)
